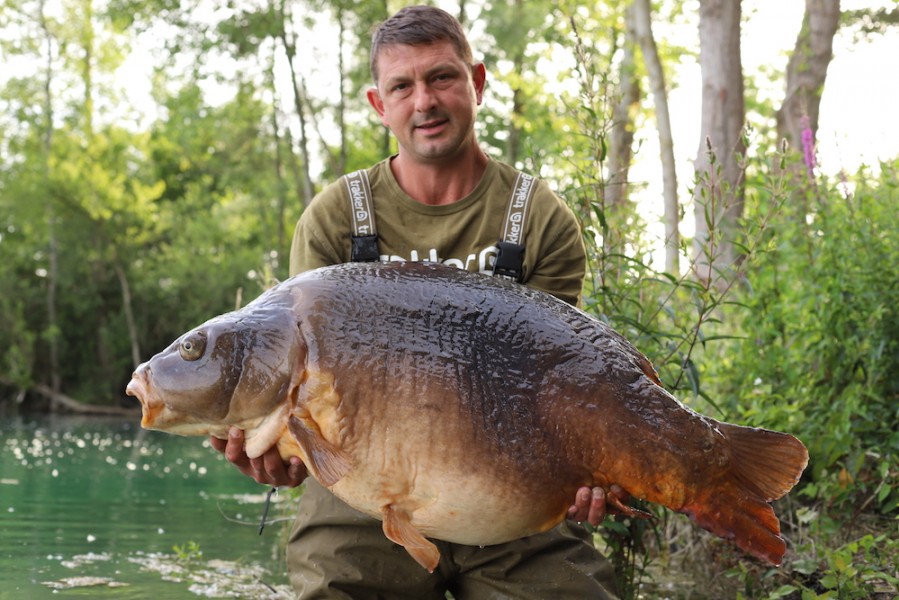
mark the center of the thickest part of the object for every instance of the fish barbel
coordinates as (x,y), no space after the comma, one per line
(461,407)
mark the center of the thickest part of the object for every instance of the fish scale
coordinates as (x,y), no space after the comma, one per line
(462,407)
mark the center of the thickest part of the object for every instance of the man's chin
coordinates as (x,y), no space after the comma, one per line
(436,151)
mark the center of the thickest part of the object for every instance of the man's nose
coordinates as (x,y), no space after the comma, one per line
(425,100)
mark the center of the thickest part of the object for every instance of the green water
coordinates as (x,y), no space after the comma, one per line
(103,500)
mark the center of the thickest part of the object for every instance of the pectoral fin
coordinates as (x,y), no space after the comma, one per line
(327,462)
(398,529)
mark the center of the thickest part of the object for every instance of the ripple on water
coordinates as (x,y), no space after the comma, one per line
(84,497)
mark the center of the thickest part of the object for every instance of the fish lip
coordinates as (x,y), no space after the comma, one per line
(138,388)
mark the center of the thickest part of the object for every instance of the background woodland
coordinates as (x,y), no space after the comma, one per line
(128,216)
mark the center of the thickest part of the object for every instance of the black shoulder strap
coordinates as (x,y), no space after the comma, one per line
(365,236)
(510,256)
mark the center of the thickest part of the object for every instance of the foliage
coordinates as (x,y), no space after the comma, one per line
(821,339)
(799,336)
(189,209)
(806,345)
(188,553)
(671,318)
(818,349)
(866,567)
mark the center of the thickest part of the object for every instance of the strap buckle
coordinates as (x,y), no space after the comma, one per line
(365,248)
(509,261)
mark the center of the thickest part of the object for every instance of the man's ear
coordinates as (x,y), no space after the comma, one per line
(374,98)
(479,78)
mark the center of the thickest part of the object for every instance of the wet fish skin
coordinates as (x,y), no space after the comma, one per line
(462,407)
(248,364)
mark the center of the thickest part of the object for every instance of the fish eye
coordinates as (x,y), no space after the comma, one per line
(192,346)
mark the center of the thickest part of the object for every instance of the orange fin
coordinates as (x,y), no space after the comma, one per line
(326,461)
(399,529)
(765,465)
(627,510)
(769,462)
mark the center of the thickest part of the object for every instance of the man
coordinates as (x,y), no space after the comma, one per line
(440,198)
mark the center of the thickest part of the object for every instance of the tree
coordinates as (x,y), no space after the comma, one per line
(621,133)
(642,19)
(521,37)
(806,73)
(718,194)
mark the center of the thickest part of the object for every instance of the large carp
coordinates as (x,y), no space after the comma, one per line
(461,407)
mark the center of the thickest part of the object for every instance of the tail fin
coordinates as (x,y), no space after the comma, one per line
(765,465)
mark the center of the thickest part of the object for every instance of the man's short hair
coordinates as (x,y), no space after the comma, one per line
(415,26)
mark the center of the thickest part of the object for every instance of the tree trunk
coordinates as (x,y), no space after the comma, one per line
(279,233)
(806,72)
(306,192)
(129,313)
(52,243)
(621,134)
(341,104)
(643,23)
(718,196)
(87,67)
(517,55)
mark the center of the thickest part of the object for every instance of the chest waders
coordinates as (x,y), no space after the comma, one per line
(509,261)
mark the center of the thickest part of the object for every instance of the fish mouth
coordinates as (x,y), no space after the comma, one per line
(156,415)
(138,388)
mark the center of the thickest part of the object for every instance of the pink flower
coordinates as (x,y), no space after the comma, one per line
(808,145)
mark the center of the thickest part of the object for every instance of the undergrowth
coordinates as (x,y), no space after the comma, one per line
(800,335)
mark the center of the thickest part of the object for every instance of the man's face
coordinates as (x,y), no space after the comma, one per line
(428,97)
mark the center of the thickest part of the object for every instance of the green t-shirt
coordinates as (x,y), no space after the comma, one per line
(462,234)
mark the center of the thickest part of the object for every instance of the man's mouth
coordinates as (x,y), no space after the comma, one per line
(432,126)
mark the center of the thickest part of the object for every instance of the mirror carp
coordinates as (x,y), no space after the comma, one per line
(461,407)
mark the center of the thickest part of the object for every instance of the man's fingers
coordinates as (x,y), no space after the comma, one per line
(217,444)
(296,471)
(274,467)
(234,451)
(268,469)
(580,510)
(594,504)
(597,511)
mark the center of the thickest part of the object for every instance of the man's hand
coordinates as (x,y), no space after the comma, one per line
(592,505)
(268,469)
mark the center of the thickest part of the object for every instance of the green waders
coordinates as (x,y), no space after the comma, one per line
(337,552)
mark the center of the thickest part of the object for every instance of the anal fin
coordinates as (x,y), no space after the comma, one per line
(327,462)
(399,529)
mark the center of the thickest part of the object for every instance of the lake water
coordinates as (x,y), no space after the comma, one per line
(96,507)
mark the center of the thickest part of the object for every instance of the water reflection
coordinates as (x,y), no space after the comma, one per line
(101,498)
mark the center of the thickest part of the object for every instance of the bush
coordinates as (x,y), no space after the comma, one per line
(819,342)
(805,340)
